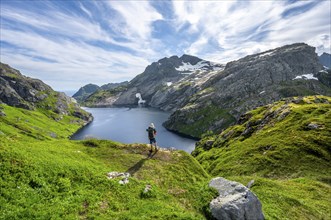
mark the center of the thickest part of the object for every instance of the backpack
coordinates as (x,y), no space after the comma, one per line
(151,132)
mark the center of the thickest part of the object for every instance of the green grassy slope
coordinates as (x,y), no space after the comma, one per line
(285,147)
(43,175)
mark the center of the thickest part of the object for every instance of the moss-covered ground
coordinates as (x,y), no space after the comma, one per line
(285,147)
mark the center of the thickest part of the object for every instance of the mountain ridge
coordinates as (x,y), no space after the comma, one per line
(259,79)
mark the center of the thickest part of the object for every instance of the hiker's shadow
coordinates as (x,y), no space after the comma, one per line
(135,168)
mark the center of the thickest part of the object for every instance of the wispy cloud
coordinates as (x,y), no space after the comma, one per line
(71,43)
(238,28)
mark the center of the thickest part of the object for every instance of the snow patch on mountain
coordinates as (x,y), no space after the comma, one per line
(306,77)
(201,65)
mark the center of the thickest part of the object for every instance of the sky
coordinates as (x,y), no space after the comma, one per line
(70,43)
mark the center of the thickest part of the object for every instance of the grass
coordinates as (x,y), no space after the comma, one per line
(275,146)
(43,175)
(47,177)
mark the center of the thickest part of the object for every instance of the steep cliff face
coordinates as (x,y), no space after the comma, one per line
(157,83)
(325,60)
(252,81)
(24,92)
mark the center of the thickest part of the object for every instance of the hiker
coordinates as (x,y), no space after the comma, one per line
(151,135)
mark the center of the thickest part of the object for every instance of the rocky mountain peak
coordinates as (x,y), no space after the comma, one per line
(259,79)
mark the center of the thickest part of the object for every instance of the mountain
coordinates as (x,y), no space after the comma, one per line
(255,80)
(325,60)
(285,148)
(160,75)
(92,93)
(85,91)
(110,86)
(24,92)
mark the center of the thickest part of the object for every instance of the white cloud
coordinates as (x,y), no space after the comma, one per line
(239,28)
(70,60)
(136,18)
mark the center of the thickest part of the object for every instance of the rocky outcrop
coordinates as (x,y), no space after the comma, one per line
(24,92)
(235,201)
(325,60)
(252,81)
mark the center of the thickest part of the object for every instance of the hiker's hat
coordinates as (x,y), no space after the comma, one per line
(152,125)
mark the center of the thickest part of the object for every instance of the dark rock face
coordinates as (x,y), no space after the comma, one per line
(256,80)
(24,92)
(325,60)
(20,91)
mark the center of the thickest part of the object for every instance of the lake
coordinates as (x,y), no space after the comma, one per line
(128,125)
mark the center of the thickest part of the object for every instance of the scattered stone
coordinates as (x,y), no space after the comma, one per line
(283,115)
(235,201)
(209,143)
(147,188)
(2,113)
(313,126)
(125,177)
(124,181)
(298,101)
(53,135)
(250,184)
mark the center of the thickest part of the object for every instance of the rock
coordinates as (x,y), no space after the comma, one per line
(53,135)
(114,174)
(250,184)
(313,126)
(147,188)
(209,143)
(235,201)
(2,113)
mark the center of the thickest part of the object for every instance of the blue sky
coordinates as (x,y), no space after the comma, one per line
(70,43)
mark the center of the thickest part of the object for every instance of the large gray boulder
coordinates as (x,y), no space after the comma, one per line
(235,201)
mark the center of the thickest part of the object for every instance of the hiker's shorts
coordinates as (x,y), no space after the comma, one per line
(152,140)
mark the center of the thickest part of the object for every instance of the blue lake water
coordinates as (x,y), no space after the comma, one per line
(128,125)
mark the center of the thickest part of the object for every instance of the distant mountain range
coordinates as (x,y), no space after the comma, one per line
(196,90)
(84,92)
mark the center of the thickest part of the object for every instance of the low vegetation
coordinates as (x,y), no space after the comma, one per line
(46,176)
(285,147)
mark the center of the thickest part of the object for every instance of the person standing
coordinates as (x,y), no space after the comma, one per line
(151,136)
